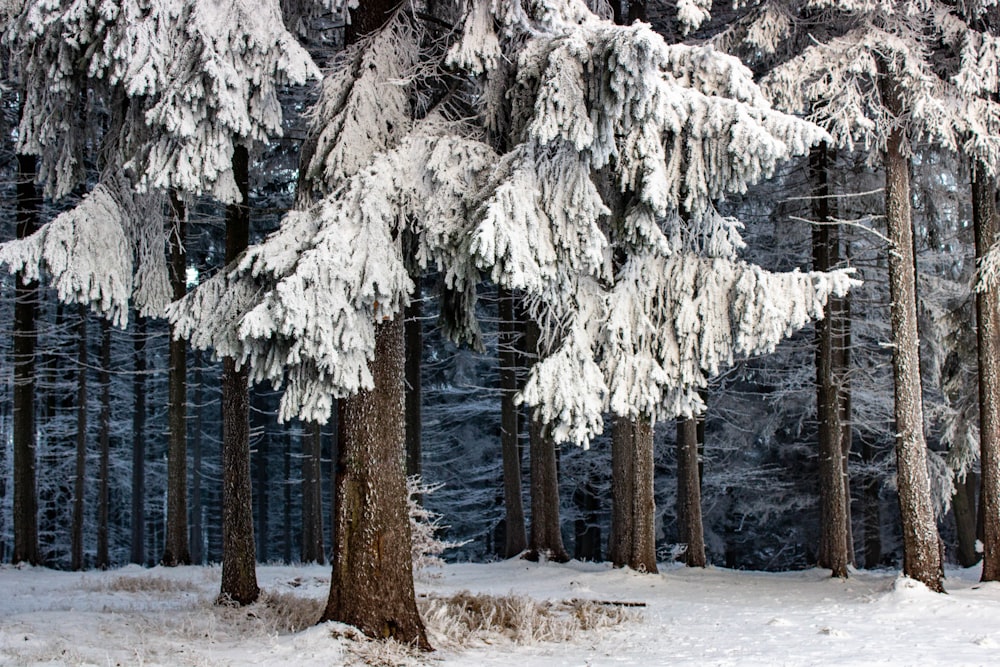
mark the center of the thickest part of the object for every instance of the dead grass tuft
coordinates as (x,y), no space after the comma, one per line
(129,584)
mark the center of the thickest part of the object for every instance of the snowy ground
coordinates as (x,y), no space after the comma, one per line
(161,616)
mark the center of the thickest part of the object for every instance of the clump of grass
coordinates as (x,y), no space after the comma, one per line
(131,584)
(273,614)
(465,618)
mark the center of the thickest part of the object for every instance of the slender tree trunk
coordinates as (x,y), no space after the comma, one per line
(692,532)
(260,463)
(25,503)
(76,530)
(842,368)
(312,495)
(833,547)
(963,507)
(921,544)
(986,224)
(514,527)
(104,440)
(632,541)
(175,548)
(587,545)
(197,505)
(372,583)
(286,504)
(414,349)
(239,560)
(545,538)
(873,510)
(137,554)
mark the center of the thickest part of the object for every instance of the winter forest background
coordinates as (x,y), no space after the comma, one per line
(106,424)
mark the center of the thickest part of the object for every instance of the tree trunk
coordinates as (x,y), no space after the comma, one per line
(260,463)
(963,505)
(514,530)
(239,560)
(175,548)
(545,540)
(104,440)
(286,504)
(312,495)
(987,229)
(587,545)
(842,377)
(833,502)
(76,530)
(372,582)
(689,521)
(25,338)
(633,538)
(873,509)
(921,544)
(138,551)
(414,349)
(197,506)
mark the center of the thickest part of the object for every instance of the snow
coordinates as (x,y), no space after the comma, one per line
(715,616)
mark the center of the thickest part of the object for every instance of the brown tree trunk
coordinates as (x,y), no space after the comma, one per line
(104,440)
(833,501)
(987,229)
(138,551)
(963,505)
(239,560)
(25,337)
(689,521)
(175,547)
(632,541)
(312,495)
(510,450)
(76,529)
(921,543)
(372,582)
(545,540)
(587,545)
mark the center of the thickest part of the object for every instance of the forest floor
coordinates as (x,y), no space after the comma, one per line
(167,616)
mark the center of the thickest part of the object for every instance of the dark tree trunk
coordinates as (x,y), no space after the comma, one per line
(372,583)
(987,228)
(138,552)
(833,500)
(197,504)
(587,545)
(690,527)
(545,540)
(239,560)
(921,544)
(76,529)
(25,337)
(104,440)
(963,505)
(514,528)
(414,349)
(260,463)
(175,548)
(312,495)
(632,541)
(842,368)
(873,509)
(286,504)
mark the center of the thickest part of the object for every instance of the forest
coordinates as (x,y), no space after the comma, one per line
(371,283)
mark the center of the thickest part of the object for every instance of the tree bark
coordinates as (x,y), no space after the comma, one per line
(104,441)
(963,505)
(312,495)
(414,349)
(25,337)
(833,547)
(587,545)
(76,529)
(632,541)
(986,225)
(691,528)
(921,543)
(239,560)
(545,538)
(372,582)
(138,551)
(514,527)
(175,547)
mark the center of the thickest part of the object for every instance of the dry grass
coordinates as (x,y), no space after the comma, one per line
(273,614)
(128,584)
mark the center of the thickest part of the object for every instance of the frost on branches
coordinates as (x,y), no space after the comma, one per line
(590,186)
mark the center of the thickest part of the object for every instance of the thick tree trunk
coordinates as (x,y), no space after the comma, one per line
(138,551)
(76,529)
(545,540)
(25,337)
(921,544)
(691,528)
(986,224)
(175,548)
(104,440)
(632,541)
(312,495)
(239,573)
(510,450)
(197,505)
(833,501)
(372,583)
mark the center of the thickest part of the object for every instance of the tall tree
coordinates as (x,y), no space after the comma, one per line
(312,494)
(690,526)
